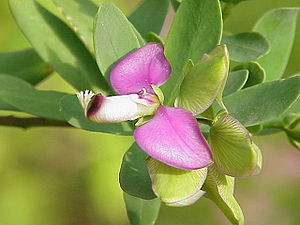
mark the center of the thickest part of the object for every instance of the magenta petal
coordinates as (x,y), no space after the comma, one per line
(174,138)
(139,69)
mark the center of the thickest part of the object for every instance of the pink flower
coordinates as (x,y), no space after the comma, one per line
(172,136)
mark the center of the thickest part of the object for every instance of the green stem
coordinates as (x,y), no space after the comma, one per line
(275,125)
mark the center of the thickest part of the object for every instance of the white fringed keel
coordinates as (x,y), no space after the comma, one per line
(84,98)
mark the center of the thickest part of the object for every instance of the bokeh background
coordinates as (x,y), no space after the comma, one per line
(65,176)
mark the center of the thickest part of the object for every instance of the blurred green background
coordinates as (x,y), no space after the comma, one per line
(63,176)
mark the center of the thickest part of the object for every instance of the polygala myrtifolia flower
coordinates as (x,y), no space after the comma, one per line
(172,136)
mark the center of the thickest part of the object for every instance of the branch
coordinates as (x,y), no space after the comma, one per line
(31,122)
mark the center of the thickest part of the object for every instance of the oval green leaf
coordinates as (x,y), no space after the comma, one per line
(114,37)
(263,102)
(150,16)
(141,211)
(235,81)
(23,97)
(8,83)
(134,176)
(80,16)
(58,45)
(244,47)
(24,64)
(257,74)
(278,27)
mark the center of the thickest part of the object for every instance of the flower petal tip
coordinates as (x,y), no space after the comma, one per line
(173,137)
(140,69)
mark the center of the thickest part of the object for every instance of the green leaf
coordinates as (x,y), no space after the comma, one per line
(295,108)
(287,119)
(263,102)
(257,74)
(139,37)
(190,40)
(80,16)
(235,81)
(244,47)
(219,188)
(232,148)
(150,16)
(8,82)
(73,113)
(5,106)
(114,37)
(25,64)
(58,45)
(203,81)
(40,103)
(175,4)
(176,187)
(134,176)
(140,211)
(233,1)
(278,27)
(22,96)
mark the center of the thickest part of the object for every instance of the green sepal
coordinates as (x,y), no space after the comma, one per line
(176,187)
(188,40)
(204,81)
(159,93)
(219,188)
(233,151)
(208,114)
(143,120)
